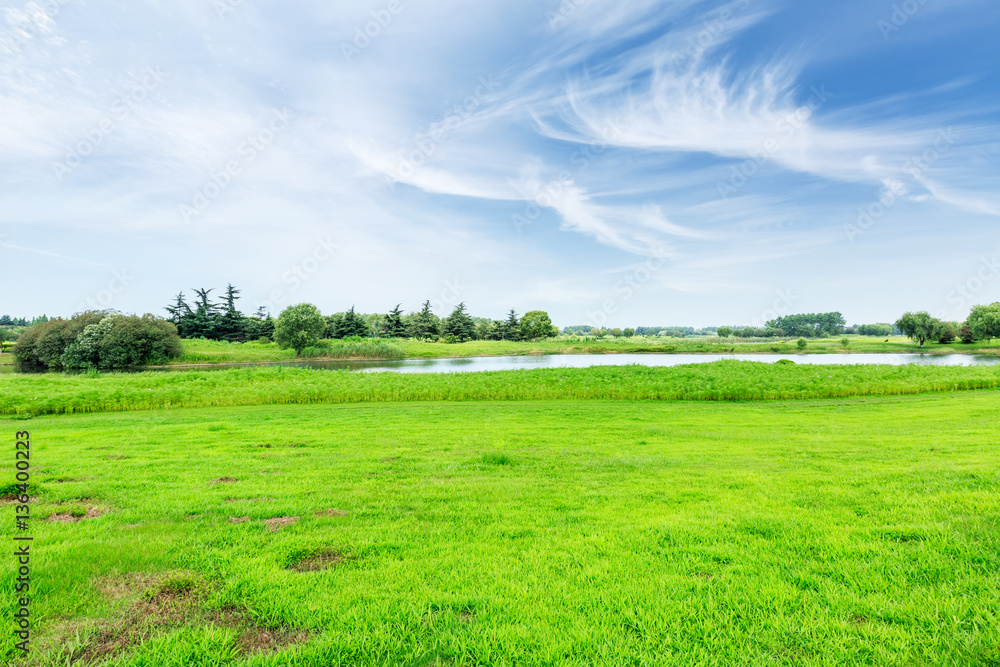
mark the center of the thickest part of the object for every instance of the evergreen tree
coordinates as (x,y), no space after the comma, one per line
(231,322)
(394,327)
(181,315)
(425,323)
(352,325)
(333,324)
(510,329)
(261,325)
(204,321)
(459,324)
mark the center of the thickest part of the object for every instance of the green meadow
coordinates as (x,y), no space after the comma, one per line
(599,532)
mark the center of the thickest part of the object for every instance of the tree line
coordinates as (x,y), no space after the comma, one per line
(983,323)
(222,320)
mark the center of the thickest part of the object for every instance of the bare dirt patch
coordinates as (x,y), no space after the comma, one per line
(331,512)
(225,480)
(322,560)
(156,603)
(77,515)
(264,640)
(249,500)
(239,519)
(279,522)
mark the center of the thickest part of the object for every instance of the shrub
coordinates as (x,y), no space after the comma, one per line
(98,340)
(845,342)
(139,341)
(801,343)
(42,346)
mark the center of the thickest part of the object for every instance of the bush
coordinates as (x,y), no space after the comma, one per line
(138,341)
(801,343)
(845,342)
(98,340)
(42,346)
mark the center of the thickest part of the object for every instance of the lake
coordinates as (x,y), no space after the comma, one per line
(478,364)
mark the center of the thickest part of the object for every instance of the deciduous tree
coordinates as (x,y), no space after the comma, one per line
(299,326)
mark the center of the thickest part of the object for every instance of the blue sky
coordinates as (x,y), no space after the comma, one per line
(640,163)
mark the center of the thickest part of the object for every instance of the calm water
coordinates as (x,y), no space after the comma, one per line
(475,364)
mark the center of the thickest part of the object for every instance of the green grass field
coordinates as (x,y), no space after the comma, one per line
(206,352)
(54,393)
(828,532)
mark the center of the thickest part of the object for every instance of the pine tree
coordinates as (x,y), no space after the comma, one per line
(394,327)
(231,324)
(351,325)
(459,324)
(204,322)
(181,315)
(510,329)
(425,324)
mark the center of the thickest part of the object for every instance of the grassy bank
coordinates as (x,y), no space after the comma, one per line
(203,351)
(535,533)
(719,381)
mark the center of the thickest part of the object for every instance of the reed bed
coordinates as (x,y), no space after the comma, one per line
(719,381)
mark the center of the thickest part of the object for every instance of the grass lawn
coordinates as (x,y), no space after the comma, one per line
(826,532)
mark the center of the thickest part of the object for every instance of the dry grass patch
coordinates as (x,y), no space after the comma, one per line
(77,514)
(279,522)
(154,604)
(317,560)
(331,512)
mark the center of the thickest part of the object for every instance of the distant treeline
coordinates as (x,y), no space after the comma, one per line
(8,321)
(222,320)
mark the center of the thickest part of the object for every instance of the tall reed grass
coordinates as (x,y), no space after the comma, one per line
(719,381)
